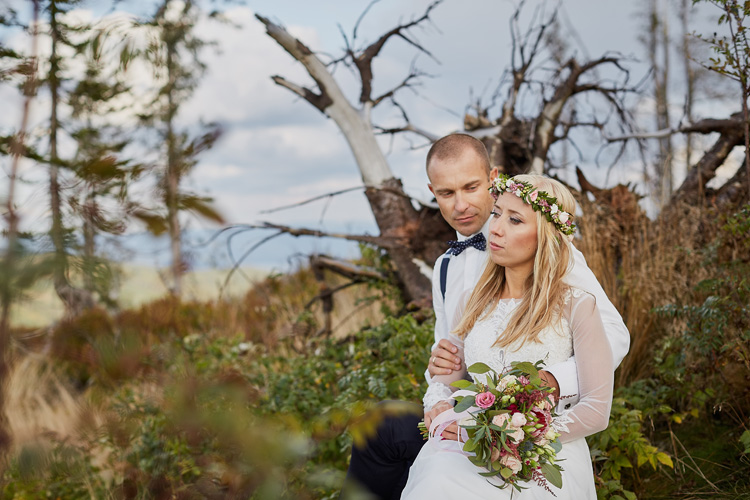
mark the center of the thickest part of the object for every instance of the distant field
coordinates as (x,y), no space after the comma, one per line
(139,284)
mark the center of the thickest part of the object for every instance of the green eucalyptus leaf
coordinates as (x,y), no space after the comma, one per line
(480,368)
(552,474)
(466,403)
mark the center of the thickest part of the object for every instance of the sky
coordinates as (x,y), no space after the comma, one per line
(278,150)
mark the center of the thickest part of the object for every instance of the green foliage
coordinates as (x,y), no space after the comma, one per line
(20,270)
(64,471)
(708,357)
(385,362)
(745,441)
(190,412)
(621,446)
(733,52)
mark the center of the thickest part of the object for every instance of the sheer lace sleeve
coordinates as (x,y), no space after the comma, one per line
(595,370)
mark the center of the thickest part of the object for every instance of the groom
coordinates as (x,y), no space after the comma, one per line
(458,168)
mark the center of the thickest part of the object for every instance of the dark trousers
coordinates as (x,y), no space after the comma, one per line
(380,469)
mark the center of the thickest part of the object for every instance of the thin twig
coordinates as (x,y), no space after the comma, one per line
(310,200)
(697,469)
(238,262)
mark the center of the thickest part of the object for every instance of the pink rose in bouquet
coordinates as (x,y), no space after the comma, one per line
(485,400)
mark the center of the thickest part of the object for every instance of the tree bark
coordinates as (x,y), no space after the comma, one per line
(705,170)
(689,77)
(89,243)
(172,174)
(75,299)
(659,44)
(734,190)
(56,233)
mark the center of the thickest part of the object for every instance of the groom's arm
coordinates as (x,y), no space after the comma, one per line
(441,322)
(566,373)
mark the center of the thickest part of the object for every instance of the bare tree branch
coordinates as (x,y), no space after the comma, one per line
(706,126)
(363,61)
(381,241)
(320,101)
(705,169)
(315,68)
(360,18)
(310,200)
(414,73)
(348,269)
(354,123)
(237,263)
(409,127)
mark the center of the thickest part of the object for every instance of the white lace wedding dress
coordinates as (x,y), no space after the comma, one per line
(441,471)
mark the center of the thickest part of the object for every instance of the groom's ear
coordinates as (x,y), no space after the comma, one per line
(494,173)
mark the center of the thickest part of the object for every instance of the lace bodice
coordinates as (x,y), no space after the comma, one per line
(555,343)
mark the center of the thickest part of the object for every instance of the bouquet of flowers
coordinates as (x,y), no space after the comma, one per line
(506,425)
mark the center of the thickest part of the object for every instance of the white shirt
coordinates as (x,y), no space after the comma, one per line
(464,271)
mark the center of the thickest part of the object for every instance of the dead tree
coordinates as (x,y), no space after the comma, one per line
(540,88)
(542,98)
(522,143)
(518,141)
(399,222)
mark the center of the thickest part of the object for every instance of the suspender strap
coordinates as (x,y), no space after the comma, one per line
(444,274)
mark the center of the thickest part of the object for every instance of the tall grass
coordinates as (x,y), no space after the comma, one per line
(643,264)
(40,401)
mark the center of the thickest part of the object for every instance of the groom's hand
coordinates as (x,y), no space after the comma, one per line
(450,431)
(443,359)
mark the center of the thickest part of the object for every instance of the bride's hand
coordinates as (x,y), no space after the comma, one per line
(550,381)
(450,432)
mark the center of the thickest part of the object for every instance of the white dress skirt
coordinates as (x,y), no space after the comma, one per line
(442,470)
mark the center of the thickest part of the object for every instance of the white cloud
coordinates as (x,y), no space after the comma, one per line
(214,171)
(237,85)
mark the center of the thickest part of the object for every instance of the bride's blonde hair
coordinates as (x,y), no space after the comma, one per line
(541,305)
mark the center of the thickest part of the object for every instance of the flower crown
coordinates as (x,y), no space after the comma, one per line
(540,201)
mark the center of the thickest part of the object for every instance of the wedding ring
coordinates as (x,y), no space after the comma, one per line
(432,360)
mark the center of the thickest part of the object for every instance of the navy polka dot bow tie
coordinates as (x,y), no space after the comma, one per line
(477,241)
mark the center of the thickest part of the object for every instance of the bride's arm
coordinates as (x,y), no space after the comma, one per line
(595,371)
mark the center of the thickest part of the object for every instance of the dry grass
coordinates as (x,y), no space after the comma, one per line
(288,307)
(643,264)
(40,405)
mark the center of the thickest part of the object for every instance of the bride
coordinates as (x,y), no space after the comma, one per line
(521,310)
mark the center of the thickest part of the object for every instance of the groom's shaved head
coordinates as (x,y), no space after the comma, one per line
(459,171)
(452,147)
